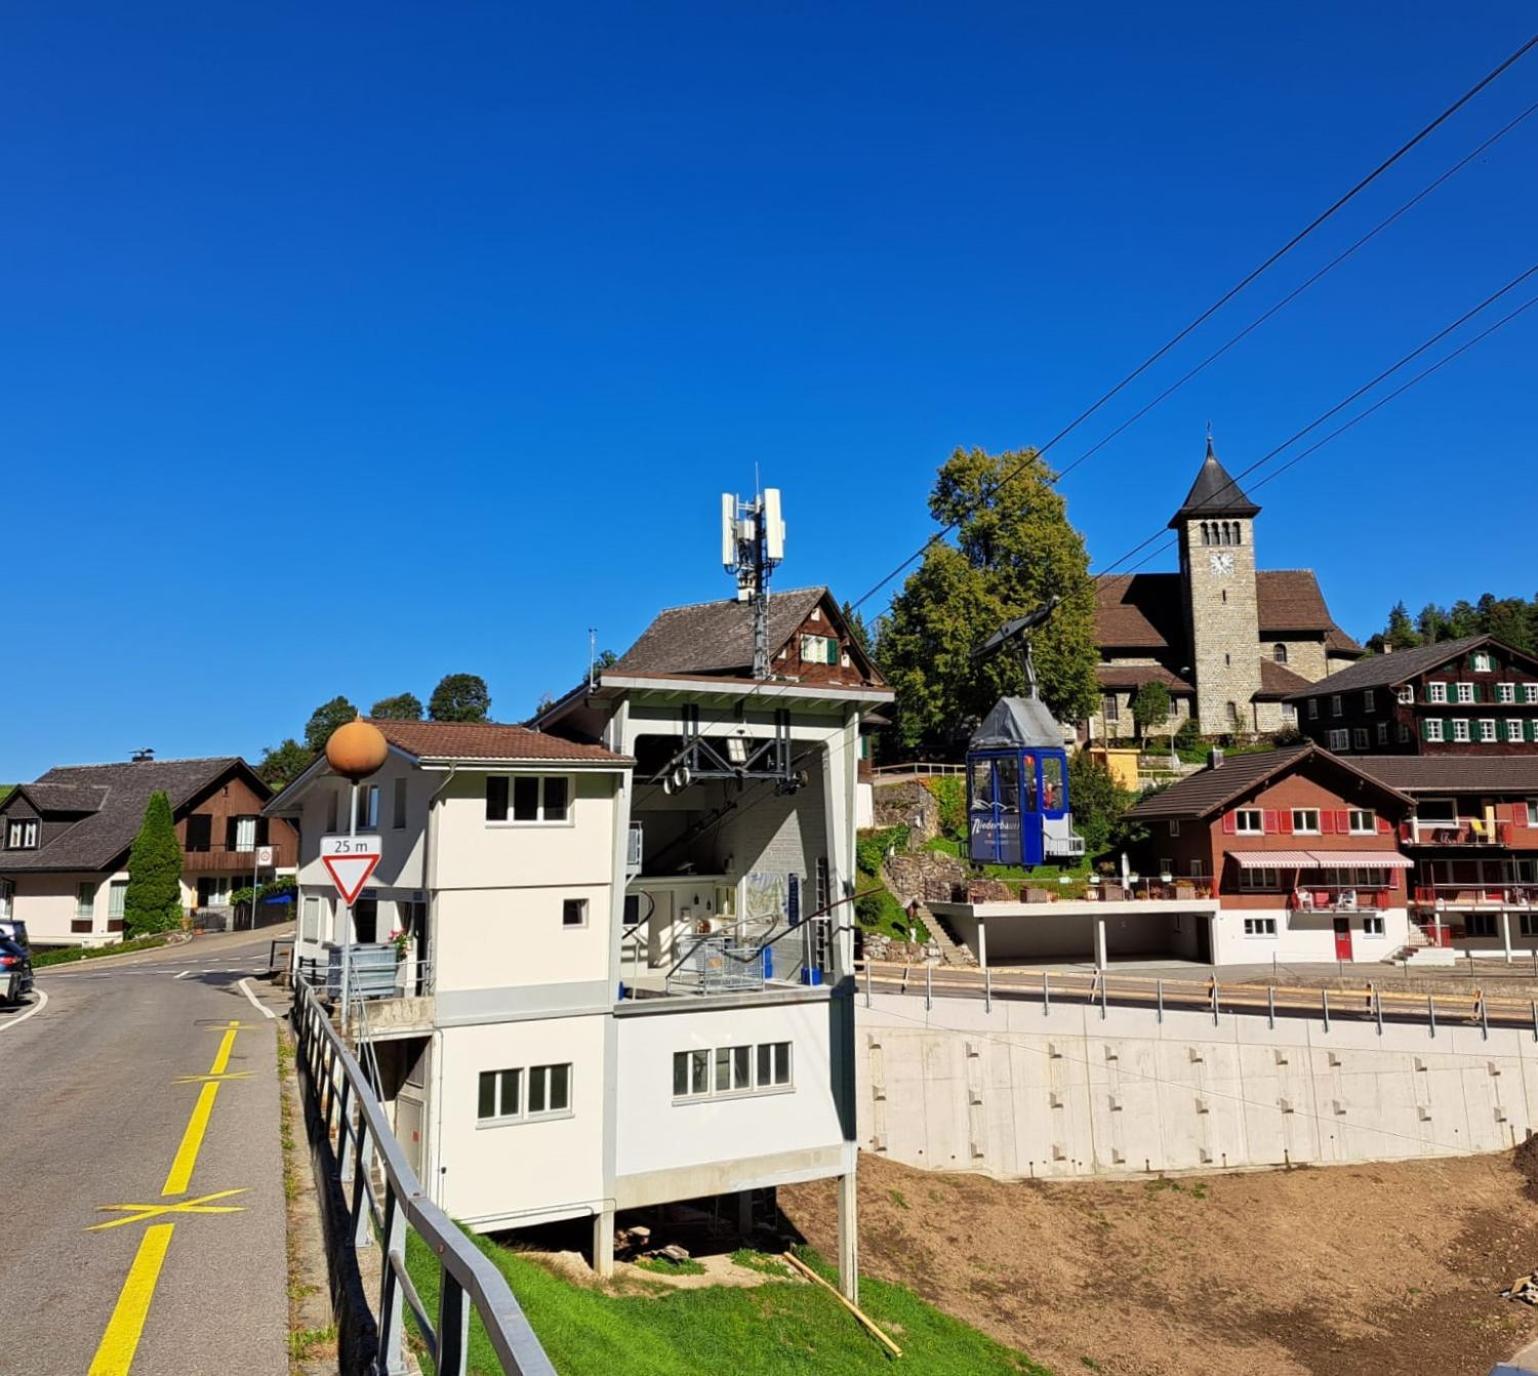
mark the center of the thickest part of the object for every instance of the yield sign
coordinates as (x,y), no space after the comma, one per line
(349,860)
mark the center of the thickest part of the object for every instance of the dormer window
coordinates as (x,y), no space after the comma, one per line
(1482,662)
(819,649)
(21,833)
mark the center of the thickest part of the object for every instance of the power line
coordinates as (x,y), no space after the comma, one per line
(1341,405)
(1217,305)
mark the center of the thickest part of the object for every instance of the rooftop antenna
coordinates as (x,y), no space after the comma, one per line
(142,756)
(592,655)
(752,543)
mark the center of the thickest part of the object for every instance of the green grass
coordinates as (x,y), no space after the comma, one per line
(760,1261)
(663,1267)
(63,955)
(1043,876)
(779,1328)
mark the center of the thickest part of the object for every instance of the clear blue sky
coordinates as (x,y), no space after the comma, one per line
(348,345)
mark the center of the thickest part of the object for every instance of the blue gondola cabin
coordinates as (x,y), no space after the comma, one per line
(1017,788)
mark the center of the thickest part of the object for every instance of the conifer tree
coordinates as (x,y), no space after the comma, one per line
(152,901)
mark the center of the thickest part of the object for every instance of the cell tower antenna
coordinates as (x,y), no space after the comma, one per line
(592,656)
(752,544)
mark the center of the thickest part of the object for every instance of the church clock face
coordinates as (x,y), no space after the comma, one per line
(1222,564)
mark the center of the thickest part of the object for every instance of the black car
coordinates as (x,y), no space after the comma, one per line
(15,971)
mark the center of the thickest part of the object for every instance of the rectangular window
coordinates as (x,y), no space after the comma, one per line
(734,1069)
(1313,709)
(116,893)
(1340,739)
(1465,692)
(1259,880)
(1111,707)
(311,926)
(21,834)
(498,1096)
(398,808)
(549,1090)
(1487,729)
(1361,822)
(819,649)
(1359,738)
(368,807)
(574,912)
(1174,828)
(1482,663)
(1260,926)
(1382,733)
(1460,729)
(691,1074)
(773,1064)
(496,797)
(528,798)
(1436,692)
(1369,700)
(1530,692)
(1407,693)
(1479,924)
(1529,923)
(1196,869)
(1249,821)
(1505,692)
(85,901)
(1372,926)
(1335,704)
(557,789)
(1434,729)
(1532,812)
(1305,820)
(1166,866)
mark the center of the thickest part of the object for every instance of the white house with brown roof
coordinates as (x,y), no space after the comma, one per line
(1230,641)
(629,953)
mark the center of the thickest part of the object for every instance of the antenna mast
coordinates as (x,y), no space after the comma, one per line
(752,544)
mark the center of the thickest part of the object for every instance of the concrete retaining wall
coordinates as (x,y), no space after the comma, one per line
(1022,1092)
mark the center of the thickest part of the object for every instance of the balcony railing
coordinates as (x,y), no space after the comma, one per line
(1474,896)
(1339,899)
(235,859)
(1466,831)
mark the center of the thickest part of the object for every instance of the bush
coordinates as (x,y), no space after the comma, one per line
(1189,736)
(950,792)
(872,846)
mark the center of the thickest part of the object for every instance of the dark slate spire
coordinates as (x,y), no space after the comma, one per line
(1214,493)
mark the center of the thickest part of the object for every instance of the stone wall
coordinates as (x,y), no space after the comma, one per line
(1225,629)
(908,804)
(926,876)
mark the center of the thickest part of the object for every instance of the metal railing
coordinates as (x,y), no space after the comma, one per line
(924,767)
(211,859)
(1466,831)
(719,965)
(384,1198)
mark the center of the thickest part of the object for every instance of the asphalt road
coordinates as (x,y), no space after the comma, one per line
(127,1085)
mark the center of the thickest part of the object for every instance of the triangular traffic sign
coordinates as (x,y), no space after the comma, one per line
(350,873)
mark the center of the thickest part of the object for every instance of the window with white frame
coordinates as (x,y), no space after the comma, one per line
(1513,728)
(819,649)
(522,1095)
(1260,926)
(1313,709)
(1362,822)
(85,901)
(1436,692)
(1110,707)
(773,1068)
(1530,692)
(1166,866)
(117,895)
(499,1095)
(1340,739)
(1406,693)
(1249,821)
(1487,730)
(732,1070)
(1382,733)
(1174,827)
(1369,700)
(1359,738)
(549,1090)
(1197,871)
(528,798)
(1532,812)
(1335,704)
(574,912)
(1305,820)
(1372,925)
(1264,879)
(1482,662)
(1465,693)
(691,1074)
(1505,692)
(1460,729)
(1434,730)
(21,833)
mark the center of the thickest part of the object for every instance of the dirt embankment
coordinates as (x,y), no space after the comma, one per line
(1320,1272)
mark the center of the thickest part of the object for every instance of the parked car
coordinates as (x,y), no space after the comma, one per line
(14,929)
(15,971)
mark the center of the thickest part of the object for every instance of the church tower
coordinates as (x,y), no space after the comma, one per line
(1216,526)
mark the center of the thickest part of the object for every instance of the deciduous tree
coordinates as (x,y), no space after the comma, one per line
(281,765)
(402,707)
(324,720)
(1151,707)
(460,697)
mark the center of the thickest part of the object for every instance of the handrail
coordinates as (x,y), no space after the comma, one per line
(364,1139)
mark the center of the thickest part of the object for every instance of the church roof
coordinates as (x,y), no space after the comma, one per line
(1146,611)
(1214,493)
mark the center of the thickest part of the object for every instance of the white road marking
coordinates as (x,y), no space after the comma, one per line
(42,1003)
(182,975)
(262,1008)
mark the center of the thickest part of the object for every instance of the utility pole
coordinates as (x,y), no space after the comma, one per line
(752,544)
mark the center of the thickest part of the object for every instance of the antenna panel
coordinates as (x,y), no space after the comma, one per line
(729,530)
(774,526)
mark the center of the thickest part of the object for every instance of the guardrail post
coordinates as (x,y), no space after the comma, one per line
(1324,1002)
(344,1129)
(867,983)
(1431,1015)
(1484,1014)
(453,1327)
(1535,1020)
(1377,1003)
(1271,1006)
(1159,997)
(1102,997)
(1214,1003)
(987,990)
(392,1317)
(1046,994)
(929,987)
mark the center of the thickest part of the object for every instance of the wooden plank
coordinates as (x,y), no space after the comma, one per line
(854,1309)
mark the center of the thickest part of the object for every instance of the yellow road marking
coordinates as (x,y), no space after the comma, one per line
(115,1354)
(222,1057)
(140,1213)
(192,1139)
(209,1079)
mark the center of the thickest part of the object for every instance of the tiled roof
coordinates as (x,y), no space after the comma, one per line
(1277,680)
(1145,611)
(714,637)
(1290,600)
(1387,671)
(1337,642)
(1136,675)
(490,741)
(1209,789)
(98,839)
(57,798)
(1454,773)
(1214,493)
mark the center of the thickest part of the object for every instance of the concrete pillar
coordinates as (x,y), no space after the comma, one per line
(745,1213)
(1506,932)
(982,944)
(1100,943)
(848,1239)
(603,1244)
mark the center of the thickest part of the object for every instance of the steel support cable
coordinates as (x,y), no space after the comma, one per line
(1211,310)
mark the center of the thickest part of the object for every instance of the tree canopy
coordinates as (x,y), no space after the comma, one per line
(1151,707)
(152,902)
(324,720)
(281,765)
(460,697)
(1014,549)
(402,707)
(1513,620)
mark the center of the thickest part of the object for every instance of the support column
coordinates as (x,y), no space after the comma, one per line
(1100,943)
(745,1213)
(848,1239)
(1506,932)
(839,779)
(603,1244)
(982,944)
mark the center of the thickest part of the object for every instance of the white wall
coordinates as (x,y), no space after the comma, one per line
(1304,937)
(513,937)
(1023,1092)
(46,903)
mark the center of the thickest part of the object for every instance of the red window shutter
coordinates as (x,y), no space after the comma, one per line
(1504,812)
(1285,820)
(1269,822)
(1327,822)
(1384,826)
(1342,821)
(1230,823)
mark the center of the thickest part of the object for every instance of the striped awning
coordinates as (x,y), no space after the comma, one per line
(1273,859)
(1361,859)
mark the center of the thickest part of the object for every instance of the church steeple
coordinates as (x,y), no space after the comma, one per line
(1214,493)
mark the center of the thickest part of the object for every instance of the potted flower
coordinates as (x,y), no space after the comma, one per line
(400,938)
